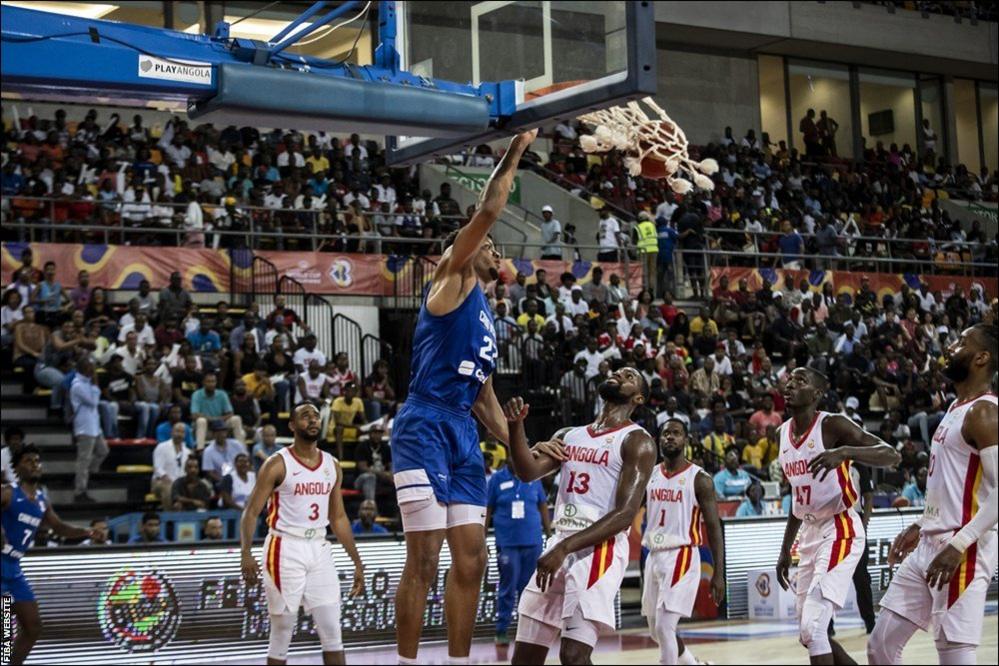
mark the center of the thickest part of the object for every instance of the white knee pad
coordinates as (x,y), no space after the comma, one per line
(666,623)
(536,632)
(327,619)
(956,654)
(891,633)
(581,630)
(814,623)
(423,515)
(465,514)
(282,627)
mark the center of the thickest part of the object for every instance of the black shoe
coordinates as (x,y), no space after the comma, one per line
(84,498)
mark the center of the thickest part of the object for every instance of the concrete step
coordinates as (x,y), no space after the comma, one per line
(64,497)
(13,411)
(47,436)
(11,389)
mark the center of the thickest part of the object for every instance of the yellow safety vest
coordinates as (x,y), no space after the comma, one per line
(647,241)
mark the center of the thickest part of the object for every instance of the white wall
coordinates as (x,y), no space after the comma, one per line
(876,97)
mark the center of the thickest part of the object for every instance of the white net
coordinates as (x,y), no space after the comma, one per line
(631,130)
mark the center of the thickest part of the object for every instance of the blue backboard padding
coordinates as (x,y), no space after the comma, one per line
(279,97)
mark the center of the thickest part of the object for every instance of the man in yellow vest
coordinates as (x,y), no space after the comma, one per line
(648,248)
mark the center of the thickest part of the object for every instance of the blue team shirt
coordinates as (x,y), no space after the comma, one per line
(504,490)
(357,528)
(20,522)
(454,355)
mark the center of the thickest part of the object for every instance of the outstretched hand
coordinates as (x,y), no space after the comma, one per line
(515,410)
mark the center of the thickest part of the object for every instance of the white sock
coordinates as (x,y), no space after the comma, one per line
(686,657)
(404,660)
(457,660)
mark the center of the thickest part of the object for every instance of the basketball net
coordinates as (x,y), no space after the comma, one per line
(646,140)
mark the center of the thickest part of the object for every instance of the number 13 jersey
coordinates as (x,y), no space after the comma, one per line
(300,505)
(588,480)
(813,500)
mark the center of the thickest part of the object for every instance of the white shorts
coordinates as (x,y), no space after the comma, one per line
(672,578)
(958,610)
(299,572)
(588,580)
(828,555)
(428,514)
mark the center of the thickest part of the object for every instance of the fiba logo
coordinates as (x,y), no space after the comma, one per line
(138,611)
(341,272)
(763,585)
(570,510)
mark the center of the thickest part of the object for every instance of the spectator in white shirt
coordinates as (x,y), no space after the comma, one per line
(386,193)
(194,224)
(143,331)
(132,355)
(307,353)
(576,304)
(608,236)
(357,195)
(666,209)
(723,364)
(292,157)
(355,147)
(592,356)
(551,235)
(169,458)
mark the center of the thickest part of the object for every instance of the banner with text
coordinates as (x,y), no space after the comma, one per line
(210,271)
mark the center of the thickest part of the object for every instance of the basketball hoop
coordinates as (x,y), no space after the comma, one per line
(655,147)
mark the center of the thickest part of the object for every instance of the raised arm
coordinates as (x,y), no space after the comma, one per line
(491,204)
(270,476)
(528,465)
(487,409)
(704,490)
(638,456)
(845,440)
(341,528)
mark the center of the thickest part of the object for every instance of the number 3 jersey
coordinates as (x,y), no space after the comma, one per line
(588,480)
(300,505)
(813,500)
(454,354)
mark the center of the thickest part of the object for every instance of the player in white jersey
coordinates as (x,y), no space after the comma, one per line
(949,555)
(816,451)
(605,468)
(302,486)
(678,494)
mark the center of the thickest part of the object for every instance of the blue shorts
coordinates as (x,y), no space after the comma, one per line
(437,447)
(14,583)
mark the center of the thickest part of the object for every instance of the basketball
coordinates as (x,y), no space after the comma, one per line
(654,168)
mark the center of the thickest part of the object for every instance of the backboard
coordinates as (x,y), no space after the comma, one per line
(567,58)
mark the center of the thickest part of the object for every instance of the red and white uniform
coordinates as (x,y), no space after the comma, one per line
(589,579)
(672,535)
(298,560)
(831,539)
(954,490)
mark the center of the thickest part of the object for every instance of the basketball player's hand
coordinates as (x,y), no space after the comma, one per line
(904,544)
(783,569)
(526,138)
(943,566)
(548,566)
(250,568)
(516,410)
(718,586)
(554,448)
(826,462)
(357,589)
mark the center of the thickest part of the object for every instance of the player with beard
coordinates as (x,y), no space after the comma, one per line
(439,475)
(816,451)
(948,556)
(302,485)
(25,508)
(678,494)
(605,468)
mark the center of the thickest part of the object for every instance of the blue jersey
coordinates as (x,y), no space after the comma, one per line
(20,522)
(453,355)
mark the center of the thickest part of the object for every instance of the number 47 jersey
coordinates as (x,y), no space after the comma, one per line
(588,480)
(813,500)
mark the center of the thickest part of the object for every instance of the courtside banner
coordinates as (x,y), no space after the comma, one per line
(205,270)
(187,603)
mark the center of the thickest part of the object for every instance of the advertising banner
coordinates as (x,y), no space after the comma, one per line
(849,282)
(210,271)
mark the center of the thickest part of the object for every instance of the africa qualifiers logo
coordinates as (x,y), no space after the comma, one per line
(341,272)
(138,611)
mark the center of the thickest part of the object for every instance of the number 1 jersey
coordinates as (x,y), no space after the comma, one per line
(454,354)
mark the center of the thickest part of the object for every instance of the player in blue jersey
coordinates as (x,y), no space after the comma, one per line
(439,474)
(24,508)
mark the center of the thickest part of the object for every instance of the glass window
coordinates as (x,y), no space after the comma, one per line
(966,120)
(932,109)
(818,88)
(773,104)
(888,109)
(988,97)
